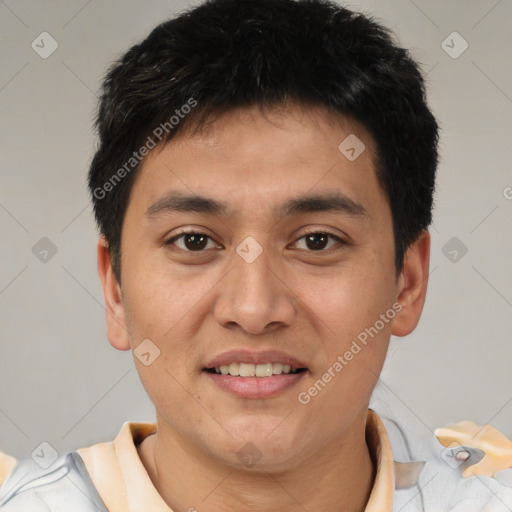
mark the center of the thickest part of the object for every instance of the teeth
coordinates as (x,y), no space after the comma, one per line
(252,370)
(246,370)
(277,368)
(264,370)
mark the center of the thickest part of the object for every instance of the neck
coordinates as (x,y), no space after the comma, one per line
(338,478)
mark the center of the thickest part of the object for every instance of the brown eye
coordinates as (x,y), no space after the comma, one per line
(195,242)
(190,241)
(318,240)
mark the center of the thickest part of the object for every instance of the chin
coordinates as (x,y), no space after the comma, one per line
(261,444)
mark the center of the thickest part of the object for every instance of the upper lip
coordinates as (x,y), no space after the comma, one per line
(260,357)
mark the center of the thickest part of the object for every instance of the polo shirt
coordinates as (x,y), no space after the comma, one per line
(462,468)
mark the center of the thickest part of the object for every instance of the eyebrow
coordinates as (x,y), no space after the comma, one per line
(329,202)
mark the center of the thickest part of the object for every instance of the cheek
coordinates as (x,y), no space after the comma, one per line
(354,338)
(162,298)
(349,301)
(354,342)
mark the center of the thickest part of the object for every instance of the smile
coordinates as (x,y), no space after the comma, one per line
(254,370)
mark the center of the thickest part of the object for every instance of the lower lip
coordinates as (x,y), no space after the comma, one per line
(255,387)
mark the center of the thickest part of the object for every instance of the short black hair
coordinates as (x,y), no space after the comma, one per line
(225,54)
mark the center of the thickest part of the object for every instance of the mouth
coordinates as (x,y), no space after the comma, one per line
(254,370)
(256,375)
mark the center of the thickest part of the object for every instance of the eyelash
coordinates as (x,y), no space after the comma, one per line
(312,232)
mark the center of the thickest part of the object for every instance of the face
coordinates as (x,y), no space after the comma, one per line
(269,324)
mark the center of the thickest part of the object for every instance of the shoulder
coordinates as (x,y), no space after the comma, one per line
(82,480)
(462,467)
(64,485)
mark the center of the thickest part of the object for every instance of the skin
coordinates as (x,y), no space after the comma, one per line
(309,303)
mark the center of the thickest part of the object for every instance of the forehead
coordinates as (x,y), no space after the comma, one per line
(248,157)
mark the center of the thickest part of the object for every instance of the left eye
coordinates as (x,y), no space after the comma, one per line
(317,241)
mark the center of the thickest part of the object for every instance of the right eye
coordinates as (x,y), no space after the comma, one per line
(192,241)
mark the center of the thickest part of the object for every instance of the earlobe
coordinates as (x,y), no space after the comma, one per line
(114,307)
(412,286)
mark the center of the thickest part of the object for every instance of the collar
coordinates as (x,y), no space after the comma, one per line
(124,484)
(381,497)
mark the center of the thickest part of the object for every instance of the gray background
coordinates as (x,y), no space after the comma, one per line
(61,382)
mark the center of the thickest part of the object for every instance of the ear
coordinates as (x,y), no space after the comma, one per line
(114,308)
(412,286)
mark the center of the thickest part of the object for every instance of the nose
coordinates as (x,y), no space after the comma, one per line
(254,297)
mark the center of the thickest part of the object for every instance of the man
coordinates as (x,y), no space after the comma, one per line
(263,188)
